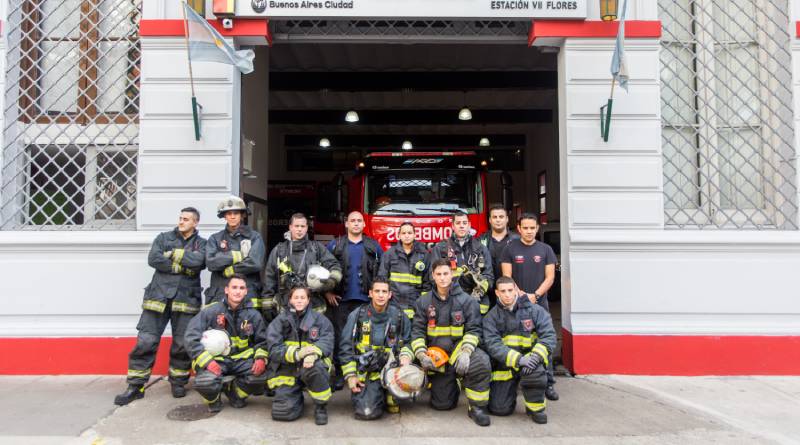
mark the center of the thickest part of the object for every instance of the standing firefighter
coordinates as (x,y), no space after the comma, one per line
(300,343)
(496,239)
(405,265)
(374,334)
(445,335)
(469,260)
(519,337)
(236,249)
(245,357)
(289,264)
(173,296)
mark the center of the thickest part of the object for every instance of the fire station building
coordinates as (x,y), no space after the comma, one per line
(679,236)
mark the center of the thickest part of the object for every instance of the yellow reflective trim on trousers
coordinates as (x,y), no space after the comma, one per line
(186,308)
(445,331)
(536,406)
(247,353)
(517,341)
(477,396)
(281,380)
(322,396)
(399,277)
(409,313)
(139,372)
(240,392)
(512,357)
(178,372)
(155,306)
(209,402)
(502,376)
(484,309)
(240,342)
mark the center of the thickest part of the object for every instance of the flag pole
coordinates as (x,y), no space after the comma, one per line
(605,113)
(195,105)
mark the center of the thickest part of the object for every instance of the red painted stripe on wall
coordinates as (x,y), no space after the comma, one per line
(681,355)
(174,28)
(82,355)
(634,29)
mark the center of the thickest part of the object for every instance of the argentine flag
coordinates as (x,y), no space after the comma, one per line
(207,45)
(619,66)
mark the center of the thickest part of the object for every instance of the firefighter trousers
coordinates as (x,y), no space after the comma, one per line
(151,326)
(503,398)
(288,402)
(445,387)
(209,385)
(373,400)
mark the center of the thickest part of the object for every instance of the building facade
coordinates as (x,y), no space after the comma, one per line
(680,235)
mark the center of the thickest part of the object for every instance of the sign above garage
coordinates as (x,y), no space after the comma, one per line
(414,9)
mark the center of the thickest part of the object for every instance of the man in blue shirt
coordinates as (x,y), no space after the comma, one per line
(360,257)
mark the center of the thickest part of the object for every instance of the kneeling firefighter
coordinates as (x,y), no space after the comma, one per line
(245,359)
(519,337)
(449,321)
(373,334)
(300,343)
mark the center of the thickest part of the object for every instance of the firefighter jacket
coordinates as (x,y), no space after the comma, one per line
(471,257)
(289,261)
(176,280)
(407,274)
(447,323)
(368,269)
(224,258)
(366,330)
(244,326)
(509,333)
(290,331)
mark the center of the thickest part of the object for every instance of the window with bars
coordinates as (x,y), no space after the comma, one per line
(727,119)
(71,116)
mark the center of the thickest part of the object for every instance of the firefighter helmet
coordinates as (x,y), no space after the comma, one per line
(216,342)
(316,276)
(230,203)
(404,382)
(438,355)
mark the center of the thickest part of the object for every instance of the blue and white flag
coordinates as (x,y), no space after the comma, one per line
(206,44)
(619,66)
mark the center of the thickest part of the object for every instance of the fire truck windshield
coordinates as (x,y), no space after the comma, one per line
(422,192)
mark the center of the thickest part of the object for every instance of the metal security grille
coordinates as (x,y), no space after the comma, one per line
(71,114)
(403,30)
(726,105)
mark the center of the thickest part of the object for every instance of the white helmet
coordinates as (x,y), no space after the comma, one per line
(216,342)
(404,382)
(316,276)
(230,203)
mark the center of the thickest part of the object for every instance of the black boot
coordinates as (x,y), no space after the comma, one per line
(479,416)
(132,393)
(539,417)
(233,396)
(320,414)
(551,393)
(215,406)
(178,390)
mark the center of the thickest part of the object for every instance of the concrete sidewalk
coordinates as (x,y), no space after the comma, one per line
(592,410)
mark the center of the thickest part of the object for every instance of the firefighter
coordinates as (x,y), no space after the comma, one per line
(375,333)
(360,257)
(496,239)
(449,319)
(247,358)
(288,265)
(235,249)
(405,265)
(519,337)
(469,260)
(300,343)
(532,265)
(173,296)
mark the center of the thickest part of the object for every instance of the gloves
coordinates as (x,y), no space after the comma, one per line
(424,360)
(259,366)
(309,360)
(245,247)
(529,362)
(305,351)
(213,367)
(462,362)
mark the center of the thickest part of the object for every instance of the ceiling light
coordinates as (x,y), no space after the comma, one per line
(484,142)
(351,116)
(324,143)
(465,114)
(407,145)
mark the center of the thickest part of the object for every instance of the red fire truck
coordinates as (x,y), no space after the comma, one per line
(425,188)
